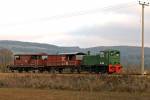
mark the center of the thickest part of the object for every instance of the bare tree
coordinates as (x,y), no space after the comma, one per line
(6,58)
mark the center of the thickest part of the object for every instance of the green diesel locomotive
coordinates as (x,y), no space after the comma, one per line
(107,61)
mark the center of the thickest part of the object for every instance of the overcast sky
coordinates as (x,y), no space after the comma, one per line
(83,23)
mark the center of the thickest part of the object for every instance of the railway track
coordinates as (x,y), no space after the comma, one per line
(44,75)
(4,75)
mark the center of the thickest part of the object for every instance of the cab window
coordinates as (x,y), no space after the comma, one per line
(117,54)
(111,53)
(101,54)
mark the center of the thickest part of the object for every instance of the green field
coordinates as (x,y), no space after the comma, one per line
(36,94)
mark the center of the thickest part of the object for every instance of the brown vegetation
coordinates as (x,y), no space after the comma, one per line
(119,83)
(36,94)
(6,57)
(132,69)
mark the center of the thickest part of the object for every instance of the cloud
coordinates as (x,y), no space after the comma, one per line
(74,40)
(115,34)
(118,25)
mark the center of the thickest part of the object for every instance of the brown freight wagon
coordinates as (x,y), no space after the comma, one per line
(44,62)
(71,61)
(28,62)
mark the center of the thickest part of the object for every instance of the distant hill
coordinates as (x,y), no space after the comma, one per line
(130,55)
(29,47)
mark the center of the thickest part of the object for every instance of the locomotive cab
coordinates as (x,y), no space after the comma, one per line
(114,61)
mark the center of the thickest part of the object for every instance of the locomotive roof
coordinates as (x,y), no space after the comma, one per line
(28,54)
(41,54)
(73,53)
(110,50)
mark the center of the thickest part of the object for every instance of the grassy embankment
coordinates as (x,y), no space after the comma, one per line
(15,86)
(102,83)
(36,94)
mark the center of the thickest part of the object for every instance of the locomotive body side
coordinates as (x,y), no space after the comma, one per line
(92,63)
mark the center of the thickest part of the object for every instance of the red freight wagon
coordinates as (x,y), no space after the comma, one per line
(30,60)
(45,62)
(65,61)
(55,60)
(27,62)
(73,59)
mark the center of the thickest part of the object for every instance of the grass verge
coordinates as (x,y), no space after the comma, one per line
(102,83)
(36,94)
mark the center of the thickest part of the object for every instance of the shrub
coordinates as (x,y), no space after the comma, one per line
(120,83)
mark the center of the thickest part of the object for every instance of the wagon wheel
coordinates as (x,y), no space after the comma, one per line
(60,70)
(20,70)
(53,70)
(78,70)
(72,70)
